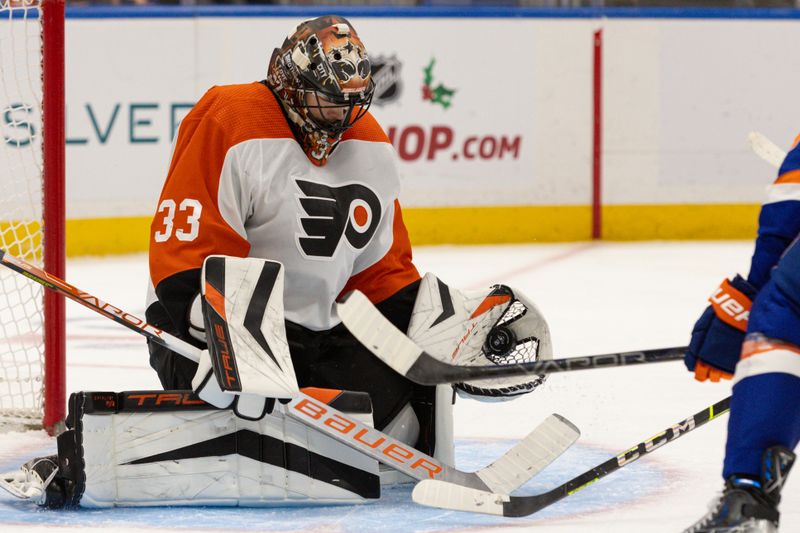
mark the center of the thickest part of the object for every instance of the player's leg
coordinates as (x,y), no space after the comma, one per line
(764,425)
(765,410)
(174,371)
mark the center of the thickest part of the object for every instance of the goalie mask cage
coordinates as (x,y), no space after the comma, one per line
(32,333)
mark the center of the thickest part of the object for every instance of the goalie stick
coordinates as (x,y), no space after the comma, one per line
(445,495)
(529,456)
(398,351)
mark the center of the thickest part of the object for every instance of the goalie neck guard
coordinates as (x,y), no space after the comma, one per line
(323,78)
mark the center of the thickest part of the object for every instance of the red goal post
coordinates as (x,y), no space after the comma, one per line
(53,147)
(32,212)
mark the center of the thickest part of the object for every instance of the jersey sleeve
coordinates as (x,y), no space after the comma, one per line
(189,224)
(779,220)
(394,271)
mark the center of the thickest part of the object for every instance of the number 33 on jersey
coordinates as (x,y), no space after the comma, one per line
(189,216)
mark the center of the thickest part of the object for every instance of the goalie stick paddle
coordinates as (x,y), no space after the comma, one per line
(447,496)
(529,456)
(394,348)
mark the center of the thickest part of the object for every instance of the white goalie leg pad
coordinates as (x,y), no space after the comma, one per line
(169,448)
(242,303)
(444,449)
(405,428)
(493,327)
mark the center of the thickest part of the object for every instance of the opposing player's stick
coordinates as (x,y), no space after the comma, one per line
(448,496)
(528,457)
(398,351)
(766,149)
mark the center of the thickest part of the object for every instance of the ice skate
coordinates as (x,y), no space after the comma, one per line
(747,505)
(32,480)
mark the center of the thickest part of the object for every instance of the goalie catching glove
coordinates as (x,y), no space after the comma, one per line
(247,360)
(495,327)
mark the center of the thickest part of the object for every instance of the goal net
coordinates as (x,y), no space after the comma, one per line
(29,333)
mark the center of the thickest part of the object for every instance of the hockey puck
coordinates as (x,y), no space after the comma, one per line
(499,342)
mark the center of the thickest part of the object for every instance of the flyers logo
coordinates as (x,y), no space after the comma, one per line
(352,211)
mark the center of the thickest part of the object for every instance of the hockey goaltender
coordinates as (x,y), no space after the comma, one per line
(281,198)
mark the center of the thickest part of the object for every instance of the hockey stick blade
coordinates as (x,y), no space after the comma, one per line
(531,455)
(447,496)
(766,149)
(546,442)
(398,351)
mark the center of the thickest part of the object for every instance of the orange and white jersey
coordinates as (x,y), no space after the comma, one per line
(239,184)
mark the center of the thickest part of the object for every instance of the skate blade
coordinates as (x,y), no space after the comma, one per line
(19,485)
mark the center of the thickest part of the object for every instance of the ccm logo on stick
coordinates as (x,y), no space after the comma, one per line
(366,436)
(656,441)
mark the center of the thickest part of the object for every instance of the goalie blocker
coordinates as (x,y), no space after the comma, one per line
(248,359)
(171,448)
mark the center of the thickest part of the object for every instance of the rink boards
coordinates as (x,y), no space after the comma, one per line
(492,116)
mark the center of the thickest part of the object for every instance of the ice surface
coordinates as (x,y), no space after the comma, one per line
(598,298)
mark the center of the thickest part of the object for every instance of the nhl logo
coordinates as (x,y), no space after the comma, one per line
(386,75)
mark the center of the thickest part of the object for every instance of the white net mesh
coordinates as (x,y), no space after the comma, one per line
(21,314)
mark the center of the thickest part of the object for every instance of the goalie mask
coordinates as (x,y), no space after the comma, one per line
(323,78)
(495,327)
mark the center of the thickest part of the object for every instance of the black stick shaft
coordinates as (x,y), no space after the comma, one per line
(430,371)
(649,445)
(526,505)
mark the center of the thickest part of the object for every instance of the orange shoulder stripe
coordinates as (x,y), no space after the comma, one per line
(793,176)
(249,111)
(188,225)
(366,129)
